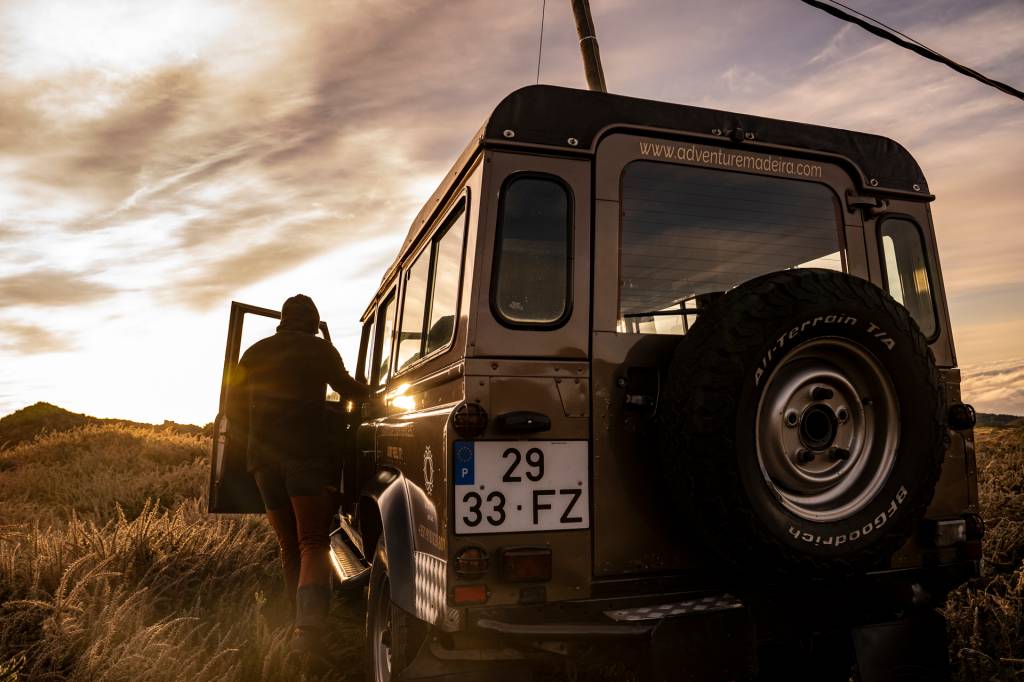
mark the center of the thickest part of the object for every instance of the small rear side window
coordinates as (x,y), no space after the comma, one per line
(531,263)
(905,268)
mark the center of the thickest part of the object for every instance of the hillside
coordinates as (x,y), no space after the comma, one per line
(999,419)
(27,423)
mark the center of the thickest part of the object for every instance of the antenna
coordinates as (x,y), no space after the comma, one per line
(588,45)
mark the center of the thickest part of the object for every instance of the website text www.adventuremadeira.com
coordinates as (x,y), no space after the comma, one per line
(722,158)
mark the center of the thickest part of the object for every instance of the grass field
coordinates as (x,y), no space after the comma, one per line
(110,569)
(986,616)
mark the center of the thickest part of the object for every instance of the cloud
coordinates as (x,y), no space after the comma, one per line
(179,153)
(217,171)
(997,387)
(116,149)
(30,339)
(51,288)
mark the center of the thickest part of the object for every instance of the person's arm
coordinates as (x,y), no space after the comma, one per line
(340,380)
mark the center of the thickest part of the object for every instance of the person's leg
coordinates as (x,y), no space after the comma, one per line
(271,484)
(307,487)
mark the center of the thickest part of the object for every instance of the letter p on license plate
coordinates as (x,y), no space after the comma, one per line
(521,486)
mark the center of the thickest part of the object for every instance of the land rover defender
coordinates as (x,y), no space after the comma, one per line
(661,380)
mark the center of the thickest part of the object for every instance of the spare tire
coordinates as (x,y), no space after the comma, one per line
(803,419)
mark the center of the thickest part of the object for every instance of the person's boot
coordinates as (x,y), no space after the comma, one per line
(312,603)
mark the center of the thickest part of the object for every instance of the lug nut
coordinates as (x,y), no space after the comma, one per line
(791,418)
(838,453)
(804,456)
(842,414)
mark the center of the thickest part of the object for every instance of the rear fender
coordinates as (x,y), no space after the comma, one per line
(392,507)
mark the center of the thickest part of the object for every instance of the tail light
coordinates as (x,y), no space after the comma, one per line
(975,526)
(947,533)
(469,420)
(467,595)
(471,562)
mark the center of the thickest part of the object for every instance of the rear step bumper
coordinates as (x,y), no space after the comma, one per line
(615,621)
(695,637)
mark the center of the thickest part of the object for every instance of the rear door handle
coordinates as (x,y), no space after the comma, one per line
(523,421)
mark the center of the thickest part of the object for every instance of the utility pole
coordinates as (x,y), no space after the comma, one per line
(588,45)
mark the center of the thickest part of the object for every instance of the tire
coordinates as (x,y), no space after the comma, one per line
(393,637)
(844,486)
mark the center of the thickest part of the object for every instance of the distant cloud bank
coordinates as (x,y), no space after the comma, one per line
(995,387)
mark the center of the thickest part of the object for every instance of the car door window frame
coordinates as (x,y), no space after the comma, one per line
(376,382)
(366,348)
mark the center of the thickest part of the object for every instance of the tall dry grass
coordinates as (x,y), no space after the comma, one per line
(110,568)
(986,616)
(149,587)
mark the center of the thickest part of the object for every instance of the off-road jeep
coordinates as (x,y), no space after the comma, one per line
(656,380)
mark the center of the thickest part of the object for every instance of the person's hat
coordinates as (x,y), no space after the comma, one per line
(299,314)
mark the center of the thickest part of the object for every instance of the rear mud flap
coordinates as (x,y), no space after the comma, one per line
(909,650)
(715,646)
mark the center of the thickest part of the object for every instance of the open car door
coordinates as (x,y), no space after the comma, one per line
(232,488)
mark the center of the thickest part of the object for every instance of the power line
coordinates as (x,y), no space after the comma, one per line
(882,31)
(540,45)
(881,23)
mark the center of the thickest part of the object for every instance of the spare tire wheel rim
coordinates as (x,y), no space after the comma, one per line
(827,429)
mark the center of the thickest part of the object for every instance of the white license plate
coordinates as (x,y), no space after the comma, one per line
(519,486)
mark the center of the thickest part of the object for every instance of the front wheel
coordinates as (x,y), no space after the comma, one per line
(392,636)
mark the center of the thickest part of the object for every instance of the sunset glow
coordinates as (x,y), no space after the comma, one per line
(159,160)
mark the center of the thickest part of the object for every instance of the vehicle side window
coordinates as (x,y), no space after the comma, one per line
(410,339)
(368,346)
(445,297)
(429,307)
(905,269)
(531,263)
(382,341)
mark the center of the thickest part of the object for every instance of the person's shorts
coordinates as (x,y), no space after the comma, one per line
(292,478)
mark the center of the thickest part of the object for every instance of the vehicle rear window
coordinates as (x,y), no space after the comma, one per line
(531,265)
(690,234)
(906,271)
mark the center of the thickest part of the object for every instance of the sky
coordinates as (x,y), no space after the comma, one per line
(161,158)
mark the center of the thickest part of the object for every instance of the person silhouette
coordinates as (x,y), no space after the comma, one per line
(283,380)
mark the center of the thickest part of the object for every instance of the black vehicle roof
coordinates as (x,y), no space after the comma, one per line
(549,116)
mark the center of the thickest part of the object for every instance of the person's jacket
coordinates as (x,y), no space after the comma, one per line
(280,388)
